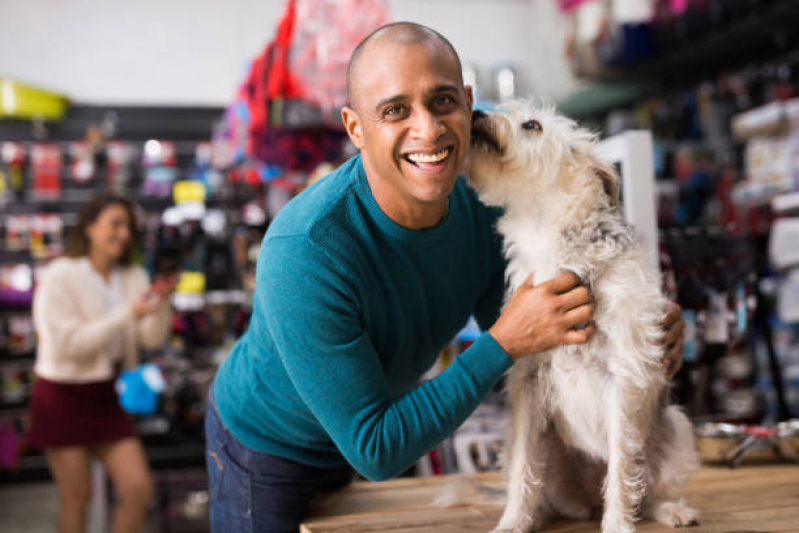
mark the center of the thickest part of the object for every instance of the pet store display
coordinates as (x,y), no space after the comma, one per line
(605,37)
(16,285)
(735,443)
(604,34)
(782,252)
(321,48)
(12,163)
(723,149)
(34,232)
(159,161)
(714,282)
(285,117)
(46,168)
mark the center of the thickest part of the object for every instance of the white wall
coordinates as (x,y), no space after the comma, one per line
(551,75)
(193,52)
(523,32)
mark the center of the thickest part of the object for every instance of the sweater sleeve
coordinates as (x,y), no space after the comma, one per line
(314,321)
(53,311)
(490,303)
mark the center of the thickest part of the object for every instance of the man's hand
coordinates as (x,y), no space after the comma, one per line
(673,331)
(540,317)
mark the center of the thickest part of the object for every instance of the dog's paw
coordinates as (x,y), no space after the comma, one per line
(519,529)
(524,525)
(617,524)
(675,514)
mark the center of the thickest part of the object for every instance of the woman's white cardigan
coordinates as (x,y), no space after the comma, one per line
(76,331)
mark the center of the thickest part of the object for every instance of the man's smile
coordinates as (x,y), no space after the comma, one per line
(430,160)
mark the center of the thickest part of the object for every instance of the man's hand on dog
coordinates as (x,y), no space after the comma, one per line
(673,332)
(541,317)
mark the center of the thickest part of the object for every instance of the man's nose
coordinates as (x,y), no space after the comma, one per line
(427,125)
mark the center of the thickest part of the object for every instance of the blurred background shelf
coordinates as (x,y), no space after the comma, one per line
(770,31)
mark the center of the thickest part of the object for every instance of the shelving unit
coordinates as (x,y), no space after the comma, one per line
(180,445)
(770,32)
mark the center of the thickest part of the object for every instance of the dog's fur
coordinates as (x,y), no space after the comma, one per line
(591,424)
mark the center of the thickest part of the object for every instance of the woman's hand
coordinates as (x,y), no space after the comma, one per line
(145,305)
(673,333)
(164,286)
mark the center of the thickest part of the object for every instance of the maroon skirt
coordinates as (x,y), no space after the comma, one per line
(82,414)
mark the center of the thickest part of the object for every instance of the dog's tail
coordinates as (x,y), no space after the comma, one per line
(463,490)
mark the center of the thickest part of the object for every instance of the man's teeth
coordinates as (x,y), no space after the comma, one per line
(429,158)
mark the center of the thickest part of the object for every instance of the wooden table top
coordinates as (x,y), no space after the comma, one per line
(750,499)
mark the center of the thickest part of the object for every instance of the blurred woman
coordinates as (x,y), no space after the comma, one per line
(92,311)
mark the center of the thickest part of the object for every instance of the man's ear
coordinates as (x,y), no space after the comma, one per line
(469,97)
(352,123)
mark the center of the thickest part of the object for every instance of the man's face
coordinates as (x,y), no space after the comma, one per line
(411,120)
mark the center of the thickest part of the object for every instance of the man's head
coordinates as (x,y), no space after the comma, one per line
(410,116)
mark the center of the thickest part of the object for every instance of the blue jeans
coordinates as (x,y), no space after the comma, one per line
(253,492)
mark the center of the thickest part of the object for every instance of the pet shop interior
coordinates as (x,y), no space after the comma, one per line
(207,118)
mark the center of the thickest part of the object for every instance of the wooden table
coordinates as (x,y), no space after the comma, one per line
(751,499)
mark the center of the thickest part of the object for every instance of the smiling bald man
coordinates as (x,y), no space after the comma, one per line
(361,281)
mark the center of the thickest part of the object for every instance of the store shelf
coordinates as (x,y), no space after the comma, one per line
(774,118)
(9,357)
(755,194)
(30,468)
(132,123)
(773,30)
(15,307)
(15,256)
(186,455)
(785,202)
(21,405)
(603,96)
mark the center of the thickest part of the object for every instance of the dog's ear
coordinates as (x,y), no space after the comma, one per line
(610,183)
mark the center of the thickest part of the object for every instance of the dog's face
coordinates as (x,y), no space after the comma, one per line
(524,153)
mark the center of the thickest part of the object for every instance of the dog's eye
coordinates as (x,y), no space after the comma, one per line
(532,125)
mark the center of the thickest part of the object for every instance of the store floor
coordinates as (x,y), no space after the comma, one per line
(28,508)
(33,508)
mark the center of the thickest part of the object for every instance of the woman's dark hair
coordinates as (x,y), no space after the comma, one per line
(78,244)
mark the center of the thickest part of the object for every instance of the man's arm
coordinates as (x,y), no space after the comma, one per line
(311,313)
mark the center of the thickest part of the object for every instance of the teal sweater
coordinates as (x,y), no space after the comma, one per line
(350,309)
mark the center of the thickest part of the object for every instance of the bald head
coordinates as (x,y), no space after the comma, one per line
(402,33)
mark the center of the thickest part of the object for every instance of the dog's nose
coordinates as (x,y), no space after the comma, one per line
(477,114)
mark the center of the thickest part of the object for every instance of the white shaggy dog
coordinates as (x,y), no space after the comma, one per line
(590,422)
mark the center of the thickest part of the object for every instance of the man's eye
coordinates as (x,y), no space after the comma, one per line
(393,110)
(444,100)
